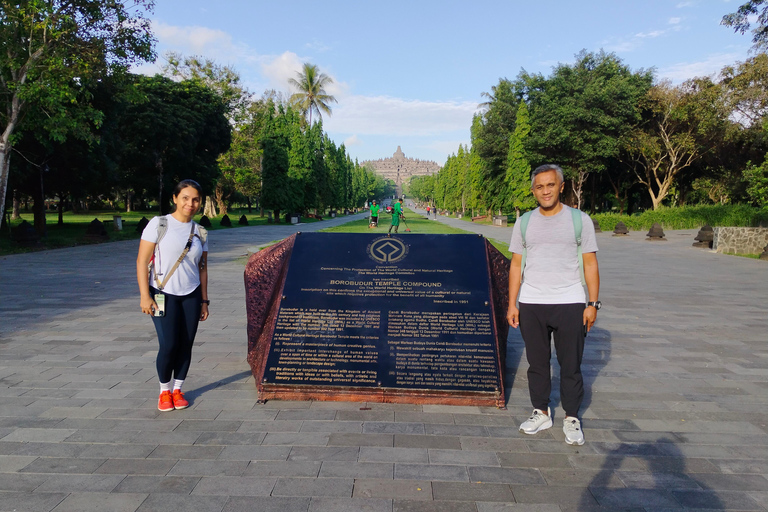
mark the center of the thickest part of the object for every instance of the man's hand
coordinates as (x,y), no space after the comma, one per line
(590,315)
(513,316)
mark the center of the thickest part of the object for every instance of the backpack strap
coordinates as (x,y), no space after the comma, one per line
(202,233)
(577,227)
(162,228)
(523,220)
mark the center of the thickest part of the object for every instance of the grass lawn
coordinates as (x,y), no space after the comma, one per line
(418,224)
(72,232)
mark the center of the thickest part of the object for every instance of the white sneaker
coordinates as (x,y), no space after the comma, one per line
(537,422)
(572,431)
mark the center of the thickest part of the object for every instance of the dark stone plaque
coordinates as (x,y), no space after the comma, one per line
(361,315)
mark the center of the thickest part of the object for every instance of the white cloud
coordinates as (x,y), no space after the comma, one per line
(685,4)
(197,40)
(280,69)
(385,115)
(675,21)
(682,71)
(353,141)
(652,34)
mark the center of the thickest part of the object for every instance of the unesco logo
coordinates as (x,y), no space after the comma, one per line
(387,250)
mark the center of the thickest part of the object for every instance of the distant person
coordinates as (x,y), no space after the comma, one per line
(374,215)
(397,212)
(173,281)
(427,211)
(552,299)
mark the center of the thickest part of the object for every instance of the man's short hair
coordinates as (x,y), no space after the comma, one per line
(547,167)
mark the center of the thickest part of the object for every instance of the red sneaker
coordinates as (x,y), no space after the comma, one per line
(179,402)
(165,402)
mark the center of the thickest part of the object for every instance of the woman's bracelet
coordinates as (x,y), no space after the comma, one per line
(206,301)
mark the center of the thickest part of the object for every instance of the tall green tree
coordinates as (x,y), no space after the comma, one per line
(49,47)
(312,95)
(518,165)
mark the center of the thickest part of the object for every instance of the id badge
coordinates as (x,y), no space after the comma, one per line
(160,301)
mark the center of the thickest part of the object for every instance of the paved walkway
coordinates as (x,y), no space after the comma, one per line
(676,412)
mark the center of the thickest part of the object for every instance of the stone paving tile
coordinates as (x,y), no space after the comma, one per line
(372,415)
(266,504)
(99,502)
(185,452)
(344,469)
(353,427)
(340,453)
(208,468)
(491,444)
(297,439)
(155,484)
(349,505)
(80,483)
(136,467)
(270,426)
(234,486)
(13,463)
(117,451)
(717,500)
(349,439)
(430,472)
(63,465)
(539,460)
(647,498)
(433,506)
(515,507)
(31,501)
(456,430)
(463,457)
(436,442)
(338,487)
(22,481)
(386,454)
(283,468)
(561,496)
(485,474)
(158,502)
(255,453)
(458,491)
(230,438)
(380,427)
(393,489)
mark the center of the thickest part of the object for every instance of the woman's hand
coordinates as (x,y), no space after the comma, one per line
(204,312)
(148,305)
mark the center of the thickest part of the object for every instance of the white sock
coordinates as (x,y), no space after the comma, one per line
(165,386)
(177,384)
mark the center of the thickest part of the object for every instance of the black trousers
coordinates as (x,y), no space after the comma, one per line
(538,323)
(176,333)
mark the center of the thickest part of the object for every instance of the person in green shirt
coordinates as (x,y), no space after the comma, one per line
(397,212)
(374,215)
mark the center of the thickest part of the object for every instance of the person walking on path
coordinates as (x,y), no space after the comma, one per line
(397,212)
(173,255)
(374,214)
(552,299)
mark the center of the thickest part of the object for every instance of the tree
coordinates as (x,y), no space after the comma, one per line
(518,166)
(745,86)
(312,95)
(49,47)
(580,114)
(177,131)
(740,22)
(683,123)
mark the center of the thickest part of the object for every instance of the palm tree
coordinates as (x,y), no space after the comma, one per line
(312,96)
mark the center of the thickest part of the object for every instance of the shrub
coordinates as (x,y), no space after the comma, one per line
(688,217)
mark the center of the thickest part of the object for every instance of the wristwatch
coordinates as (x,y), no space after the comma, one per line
(206,301)
(597,304)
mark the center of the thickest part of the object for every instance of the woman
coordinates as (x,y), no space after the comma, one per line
(173,281)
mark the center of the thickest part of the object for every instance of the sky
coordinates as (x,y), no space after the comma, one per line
(412,73)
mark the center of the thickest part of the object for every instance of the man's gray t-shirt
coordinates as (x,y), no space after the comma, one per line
(552,274)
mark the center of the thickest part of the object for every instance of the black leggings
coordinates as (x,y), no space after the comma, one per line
(176,333)
(538,322)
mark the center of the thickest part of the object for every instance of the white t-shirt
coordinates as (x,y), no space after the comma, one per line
(552,274)
(186,277)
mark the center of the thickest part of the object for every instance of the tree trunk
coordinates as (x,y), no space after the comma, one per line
(129,201)
(61,209)
(159,167)
(249,204)
(5,166)
(39,206)
(16,214)
(210,209)
(219,192)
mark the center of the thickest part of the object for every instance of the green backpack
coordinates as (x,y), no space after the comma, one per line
(576,216)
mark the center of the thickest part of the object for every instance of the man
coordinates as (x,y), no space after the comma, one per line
(551,300)
(397,212)
(374,215)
